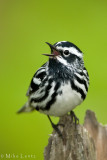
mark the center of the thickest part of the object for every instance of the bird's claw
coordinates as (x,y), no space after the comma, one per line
(60,124)
(55,126)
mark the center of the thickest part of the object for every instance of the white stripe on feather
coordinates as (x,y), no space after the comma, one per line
(72,50)
(80,86)
(82,77)
(40,71)
(36,80)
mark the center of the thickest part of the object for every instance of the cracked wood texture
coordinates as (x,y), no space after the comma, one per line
(99,134)
(85,142)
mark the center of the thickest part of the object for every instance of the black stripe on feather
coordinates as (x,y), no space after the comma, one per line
(79,90)
(82,81)
(40,99)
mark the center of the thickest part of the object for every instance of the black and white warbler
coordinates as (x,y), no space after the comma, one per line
(59,85)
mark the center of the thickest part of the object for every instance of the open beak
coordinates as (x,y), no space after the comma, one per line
(54,51)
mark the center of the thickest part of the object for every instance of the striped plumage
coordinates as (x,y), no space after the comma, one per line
(60,84)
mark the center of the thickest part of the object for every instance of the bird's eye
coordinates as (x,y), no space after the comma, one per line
(66,53)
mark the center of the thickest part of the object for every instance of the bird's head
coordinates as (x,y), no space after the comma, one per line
(65,52)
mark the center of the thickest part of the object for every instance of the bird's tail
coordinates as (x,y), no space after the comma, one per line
(25,108)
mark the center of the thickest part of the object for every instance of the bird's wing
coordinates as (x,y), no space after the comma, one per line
(37,79)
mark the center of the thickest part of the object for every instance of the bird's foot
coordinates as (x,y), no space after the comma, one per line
(55,127)
(74,118)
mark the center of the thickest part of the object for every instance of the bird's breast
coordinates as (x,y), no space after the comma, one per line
(65,101)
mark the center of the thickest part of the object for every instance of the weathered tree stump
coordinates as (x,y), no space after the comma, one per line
(81,143)
(99,134)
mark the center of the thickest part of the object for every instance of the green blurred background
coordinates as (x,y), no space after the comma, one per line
(25,26)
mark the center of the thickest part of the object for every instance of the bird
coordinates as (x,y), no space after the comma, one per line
(60,84)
